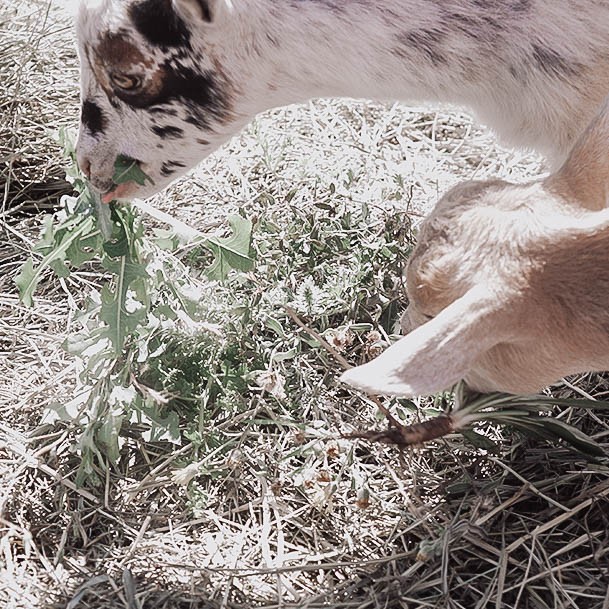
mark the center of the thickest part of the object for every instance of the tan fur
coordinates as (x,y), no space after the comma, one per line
(588,158)
(538,257)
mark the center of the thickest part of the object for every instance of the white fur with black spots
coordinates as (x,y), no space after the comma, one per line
(166,82)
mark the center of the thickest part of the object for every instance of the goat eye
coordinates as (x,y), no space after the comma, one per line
(126,82)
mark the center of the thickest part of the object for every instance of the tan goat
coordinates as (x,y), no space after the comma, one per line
(508,284)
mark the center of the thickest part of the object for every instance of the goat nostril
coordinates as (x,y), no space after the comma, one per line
(85,167)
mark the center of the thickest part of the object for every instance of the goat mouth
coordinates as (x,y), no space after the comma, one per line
(118,188)
(118,191)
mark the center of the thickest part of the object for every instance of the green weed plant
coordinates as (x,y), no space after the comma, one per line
(147,294)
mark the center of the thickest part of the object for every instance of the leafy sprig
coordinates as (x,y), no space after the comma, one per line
(147,291)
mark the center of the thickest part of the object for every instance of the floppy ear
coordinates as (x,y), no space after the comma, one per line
(440,352)
(205,10)
(584,177)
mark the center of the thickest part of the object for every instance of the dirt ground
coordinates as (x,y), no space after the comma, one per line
(281,511)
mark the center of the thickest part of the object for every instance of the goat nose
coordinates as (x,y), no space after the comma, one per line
(97,172)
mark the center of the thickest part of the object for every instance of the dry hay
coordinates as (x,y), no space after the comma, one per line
(39,80)
(291,515)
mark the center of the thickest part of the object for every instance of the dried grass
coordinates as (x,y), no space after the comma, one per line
(299,517)
(39,79)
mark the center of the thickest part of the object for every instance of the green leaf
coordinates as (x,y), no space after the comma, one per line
(108,434)
(573,436)
(48,236)
(84,249)
(66,140)
(119,244)
(285,355)
(166,239)
(103,214)
(60,268)
(233,252)
(128,170)
(479,441)
(76,344)
(71,411)
(275,325)
(161,427)
(26,281)
(28,278)
(114,303)
(551,429)
(574,403)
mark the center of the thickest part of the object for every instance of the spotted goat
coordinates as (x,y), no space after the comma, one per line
(166,82)
(508,284)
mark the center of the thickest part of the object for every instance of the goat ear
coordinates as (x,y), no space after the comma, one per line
(205,10)
(440,352)
(584,177)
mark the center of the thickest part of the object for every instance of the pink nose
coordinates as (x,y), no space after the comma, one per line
(98,175)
